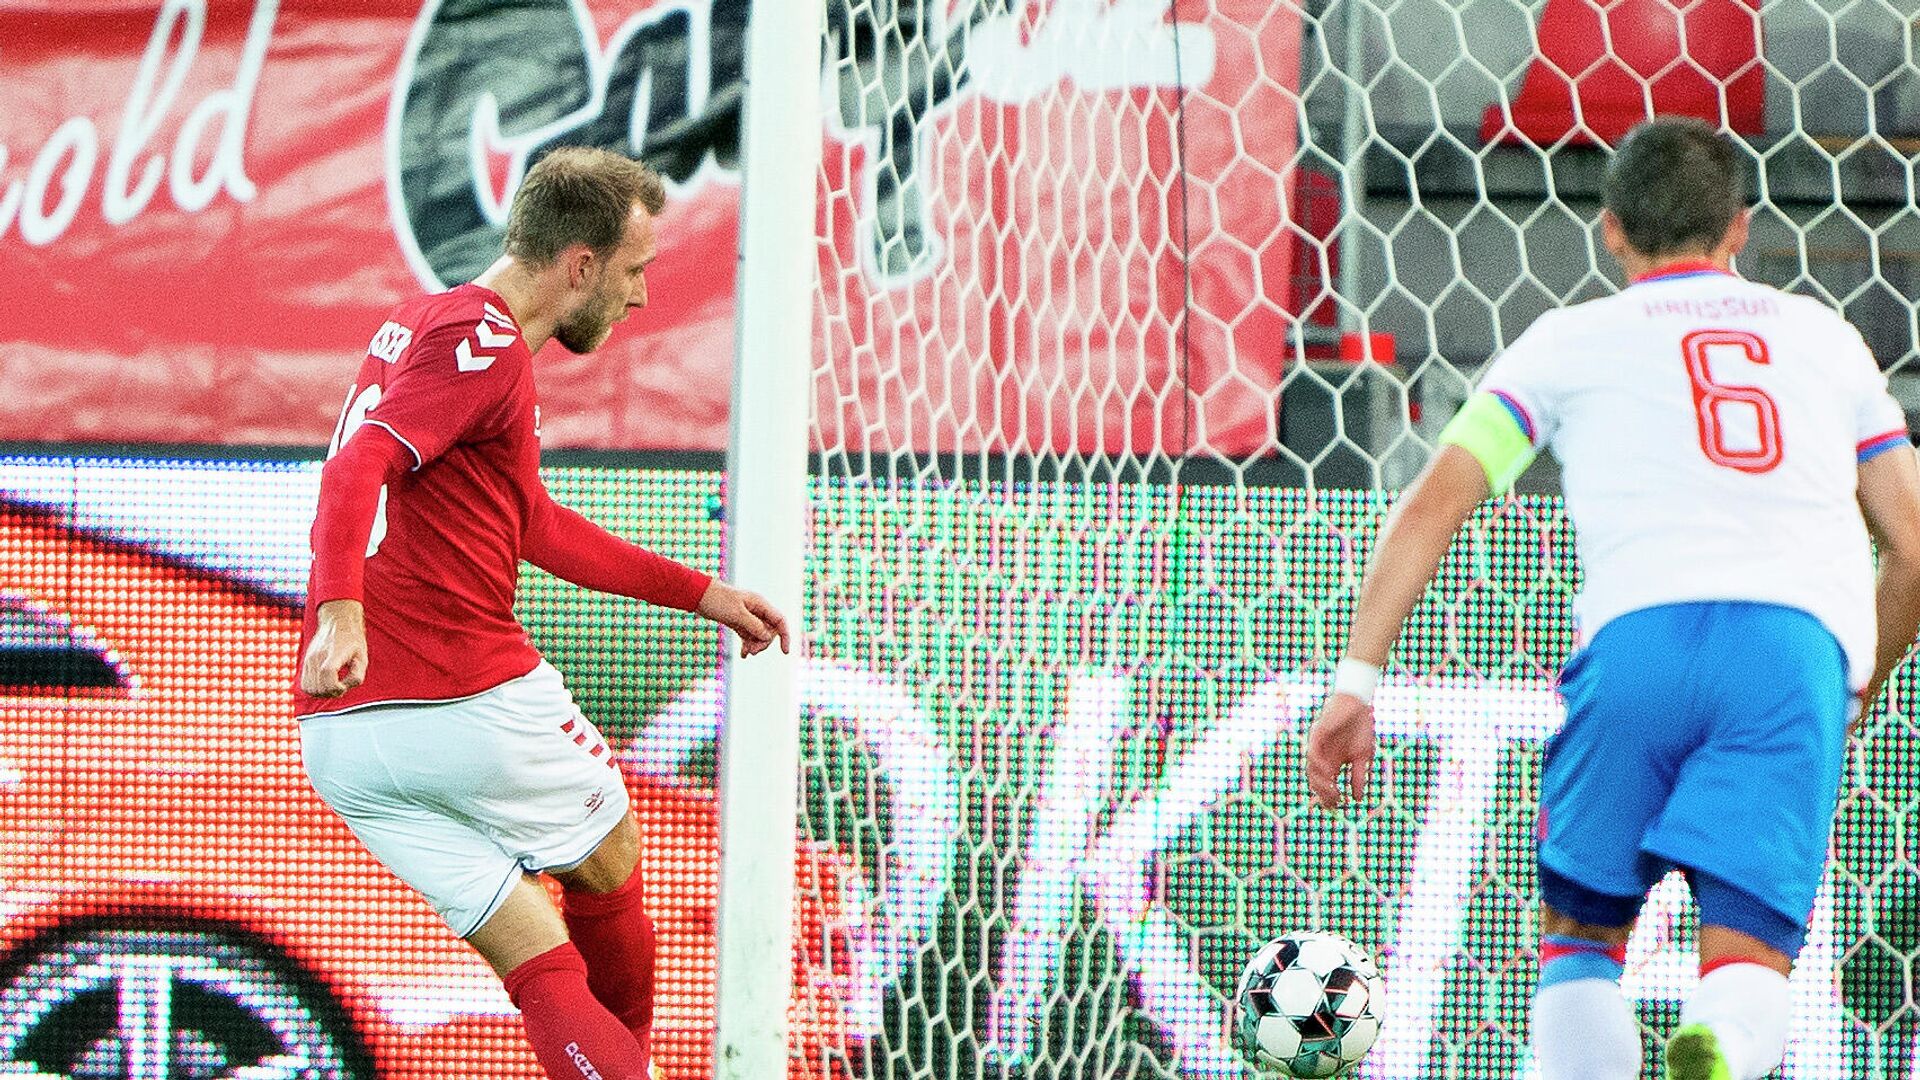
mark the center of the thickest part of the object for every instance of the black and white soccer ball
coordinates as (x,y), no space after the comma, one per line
(1309,1004)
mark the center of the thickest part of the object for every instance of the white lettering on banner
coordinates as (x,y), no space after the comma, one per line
(235,104)
(76,142)
(1816,1042)
(10,195)
(131,177)
(1476,724)
(1014,58)
(145,110)
(1151,945)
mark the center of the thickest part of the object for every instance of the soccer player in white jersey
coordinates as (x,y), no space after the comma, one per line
(1719,441)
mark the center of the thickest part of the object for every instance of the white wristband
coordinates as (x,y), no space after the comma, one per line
(1356,678)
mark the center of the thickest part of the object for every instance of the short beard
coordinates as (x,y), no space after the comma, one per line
(581,333)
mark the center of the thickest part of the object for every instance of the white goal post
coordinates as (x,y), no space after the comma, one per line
(766,535)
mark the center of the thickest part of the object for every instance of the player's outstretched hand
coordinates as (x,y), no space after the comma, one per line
(747,614)
(1341,737)
(336,661)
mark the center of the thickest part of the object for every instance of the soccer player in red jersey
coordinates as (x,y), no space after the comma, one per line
(428,720)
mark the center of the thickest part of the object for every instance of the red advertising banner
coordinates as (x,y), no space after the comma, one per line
(1029,243)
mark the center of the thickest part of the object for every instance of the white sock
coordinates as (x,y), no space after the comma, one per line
(1583,1029)
(1748,1008)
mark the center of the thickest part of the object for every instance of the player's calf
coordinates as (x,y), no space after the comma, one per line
(607,921)
(1743,1000)
(573,1036)
(1582,1025)
(614,934)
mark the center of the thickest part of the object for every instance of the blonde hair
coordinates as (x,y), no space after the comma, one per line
(579,195)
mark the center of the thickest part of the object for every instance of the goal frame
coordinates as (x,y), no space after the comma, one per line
(766,535)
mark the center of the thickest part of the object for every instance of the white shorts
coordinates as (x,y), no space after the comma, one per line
(459,798)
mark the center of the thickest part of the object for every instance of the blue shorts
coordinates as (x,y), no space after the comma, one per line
(1707,736)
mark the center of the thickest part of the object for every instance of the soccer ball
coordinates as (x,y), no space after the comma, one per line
(1309,1004)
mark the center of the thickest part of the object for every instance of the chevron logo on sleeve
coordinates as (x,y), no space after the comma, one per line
(488,337)
(463,356)
(498,318)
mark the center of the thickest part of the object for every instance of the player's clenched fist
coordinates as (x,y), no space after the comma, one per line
(747,614)
(336,661)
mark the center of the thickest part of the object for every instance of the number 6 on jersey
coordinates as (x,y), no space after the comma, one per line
(352,414)
(1745,412)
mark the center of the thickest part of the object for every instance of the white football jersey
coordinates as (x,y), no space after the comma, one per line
(1709,431)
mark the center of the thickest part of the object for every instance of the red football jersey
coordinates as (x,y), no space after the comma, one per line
(449,376)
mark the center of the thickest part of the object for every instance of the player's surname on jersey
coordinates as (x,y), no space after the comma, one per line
(1709,309)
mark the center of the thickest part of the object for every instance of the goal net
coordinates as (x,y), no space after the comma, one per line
(1132,316)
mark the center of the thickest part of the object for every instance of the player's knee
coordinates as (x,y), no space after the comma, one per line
(1572,910)
(524,925)
(612,866)
(1572,950)
(1736,926)
(1587,943)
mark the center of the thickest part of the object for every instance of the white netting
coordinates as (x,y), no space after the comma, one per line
(1094,487)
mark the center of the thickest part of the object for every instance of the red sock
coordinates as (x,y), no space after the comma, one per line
(613,933)
(573,1035)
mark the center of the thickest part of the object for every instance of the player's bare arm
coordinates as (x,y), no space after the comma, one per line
(1411,544)
(336,661)
(1890,501)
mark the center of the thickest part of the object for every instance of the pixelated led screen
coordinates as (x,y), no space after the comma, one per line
(1049,771)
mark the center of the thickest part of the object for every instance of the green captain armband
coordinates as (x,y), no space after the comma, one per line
(1496,432)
